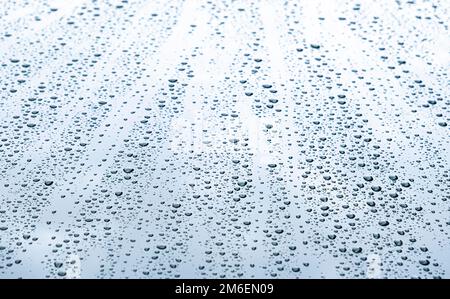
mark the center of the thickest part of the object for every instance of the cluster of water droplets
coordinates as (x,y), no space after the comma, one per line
(224,139)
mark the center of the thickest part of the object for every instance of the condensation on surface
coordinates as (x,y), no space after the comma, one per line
(224,139)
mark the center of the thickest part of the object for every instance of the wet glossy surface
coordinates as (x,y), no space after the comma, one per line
(224,139)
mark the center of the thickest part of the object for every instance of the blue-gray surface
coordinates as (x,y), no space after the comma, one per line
(224,139)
